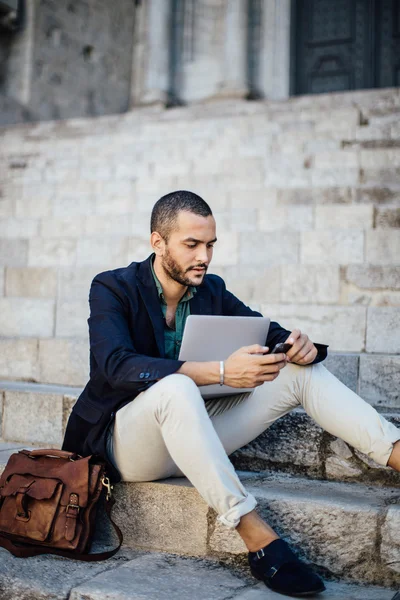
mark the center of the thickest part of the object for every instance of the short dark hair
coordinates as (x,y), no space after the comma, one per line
(165,211)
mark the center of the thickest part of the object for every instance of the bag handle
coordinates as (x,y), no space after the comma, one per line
(50,452)
(24,551)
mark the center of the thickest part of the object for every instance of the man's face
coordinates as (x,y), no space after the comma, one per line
(189,249)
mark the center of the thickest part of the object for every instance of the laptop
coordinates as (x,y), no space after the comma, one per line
(214,337)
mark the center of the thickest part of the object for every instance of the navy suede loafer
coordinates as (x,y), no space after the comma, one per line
(283,572)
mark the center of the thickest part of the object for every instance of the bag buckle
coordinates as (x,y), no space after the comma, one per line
(107,484)
(77,508)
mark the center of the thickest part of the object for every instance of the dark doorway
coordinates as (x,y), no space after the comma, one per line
(340,45)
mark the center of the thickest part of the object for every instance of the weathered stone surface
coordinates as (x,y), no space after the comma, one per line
(358,216)
(2,281)
(49,252)
(382,330)
(332,247)
(13,253)
(252,283)
(226,250)
(342,327)
(269,248)
(294,218)
(335,177)
(379,158)
(390,548)
(65,362)
(49,577)
(69,227)
(380,379)
(36,418)
(18,228)
(112,225)
(111,251)
(373,277)
(389,178)
(383,247)
(74,282)
(166,515)
(162,577)
(330,195)
(31,317)
(345,367)
(19,359)
(252,198)
(71,319)
(67,404)
(340,469)
(31,282)
(387,217)
(310,284)
(335,591)
(294,441)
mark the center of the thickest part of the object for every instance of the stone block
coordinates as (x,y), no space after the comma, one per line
(380,379)
(379,158)
(65,362)
(18,228)
(226,250)
(385,178)
(66,227)
(74,204)
(295,218)
(138,249)
(293,442)
(19,359)
(122,225)
(344,217)
(332,247)
(380,195)
(74,282)
(110,251)
(30,317)
(31,282)
(310,284)
(269,248)
(171,576)
(342,327)
(14,253)
(167,515)
(340,469)
(2,281)
(32,418)
(387,217)
(345,367)
(237,219)
(373,277)
(52,252)
(253,283)
(71,318)
(35,202)
(334,177)
(328,159)
(67,405)
(390,545)
(383,330)
(335,591)
(320,195)
(383,247)
(252,198)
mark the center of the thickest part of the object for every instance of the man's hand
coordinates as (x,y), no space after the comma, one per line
(303,351)
(250,367)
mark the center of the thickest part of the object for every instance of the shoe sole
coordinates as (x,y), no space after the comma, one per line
(299,595)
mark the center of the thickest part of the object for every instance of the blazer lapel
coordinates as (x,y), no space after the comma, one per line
(148,291)
(199,304)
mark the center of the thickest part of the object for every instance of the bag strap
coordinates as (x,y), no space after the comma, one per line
(50,452)
(25,551)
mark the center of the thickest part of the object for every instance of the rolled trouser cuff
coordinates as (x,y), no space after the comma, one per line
(382,448)
(232,517)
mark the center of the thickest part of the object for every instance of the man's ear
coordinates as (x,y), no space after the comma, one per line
(157,243)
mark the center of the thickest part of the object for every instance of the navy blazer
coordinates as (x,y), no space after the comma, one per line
(127,356)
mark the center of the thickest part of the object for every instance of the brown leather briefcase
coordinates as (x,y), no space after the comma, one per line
(48,502)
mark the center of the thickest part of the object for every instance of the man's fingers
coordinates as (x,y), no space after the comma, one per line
(295,352)
(309,357)
(255,349)
(270,359)
(296,333)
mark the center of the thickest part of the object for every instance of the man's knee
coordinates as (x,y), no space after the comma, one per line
(178,391)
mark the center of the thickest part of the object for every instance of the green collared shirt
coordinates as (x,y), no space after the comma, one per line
(173,337)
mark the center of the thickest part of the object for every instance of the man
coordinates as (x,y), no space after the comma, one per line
(142,409)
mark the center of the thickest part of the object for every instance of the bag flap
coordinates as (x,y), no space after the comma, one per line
(37,488)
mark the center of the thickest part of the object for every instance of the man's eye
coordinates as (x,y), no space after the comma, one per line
(211,245)
(191,245)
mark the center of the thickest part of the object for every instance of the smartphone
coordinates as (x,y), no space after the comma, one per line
(281,347)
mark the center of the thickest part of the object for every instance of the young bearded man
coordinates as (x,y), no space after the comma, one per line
(142,409)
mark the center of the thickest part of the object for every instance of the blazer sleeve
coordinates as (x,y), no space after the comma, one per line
(112,345)
(235,307)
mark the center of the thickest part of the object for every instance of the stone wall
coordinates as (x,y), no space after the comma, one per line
(306,194)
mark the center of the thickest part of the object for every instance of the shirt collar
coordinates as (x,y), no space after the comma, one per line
(187,296)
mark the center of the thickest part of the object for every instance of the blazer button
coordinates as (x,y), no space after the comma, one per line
(147,375)
(141,375)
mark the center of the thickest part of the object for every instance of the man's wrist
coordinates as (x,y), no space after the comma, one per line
(221,372)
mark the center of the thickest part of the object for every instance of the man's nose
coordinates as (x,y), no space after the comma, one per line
(202,255)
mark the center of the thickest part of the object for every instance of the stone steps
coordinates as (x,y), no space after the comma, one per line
(349,531)
(135,575)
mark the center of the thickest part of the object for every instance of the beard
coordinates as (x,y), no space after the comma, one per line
(174,271)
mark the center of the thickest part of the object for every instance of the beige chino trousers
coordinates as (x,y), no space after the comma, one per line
(169,430)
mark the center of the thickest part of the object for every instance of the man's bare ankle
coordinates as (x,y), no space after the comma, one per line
(255,532)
